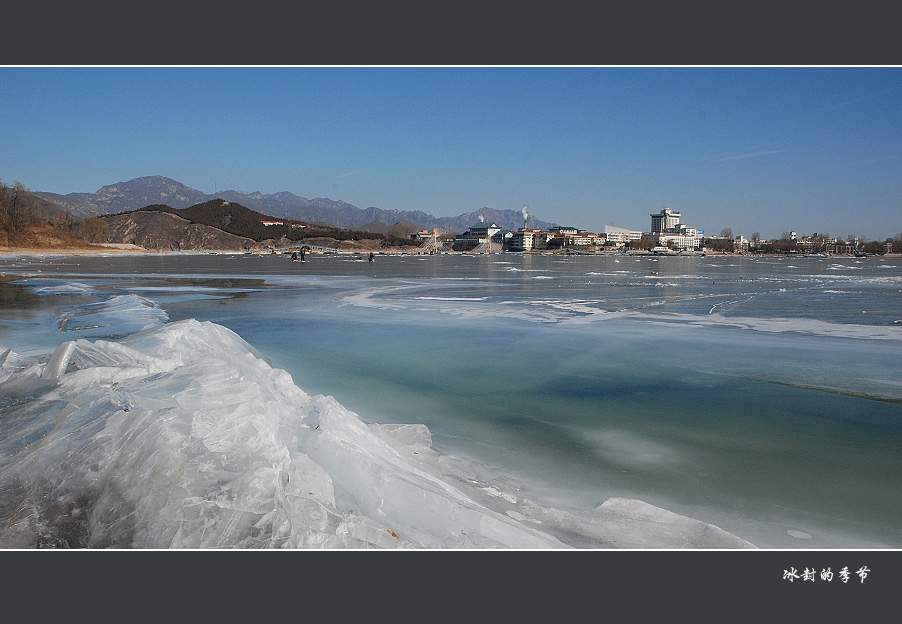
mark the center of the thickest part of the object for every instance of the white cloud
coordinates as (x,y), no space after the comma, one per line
(750,155)
(343,176)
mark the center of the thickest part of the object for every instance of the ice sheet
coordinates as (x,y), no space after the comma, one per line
(184,436)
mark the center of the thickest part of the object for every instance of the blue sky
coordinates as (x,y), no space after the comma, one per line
(755,149)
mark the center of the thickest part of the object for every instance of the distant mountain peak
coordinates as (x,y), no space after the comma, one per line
(147,182)
(151,190)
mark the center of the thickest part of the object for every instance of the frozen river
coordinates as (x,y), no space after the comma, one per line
(762,396)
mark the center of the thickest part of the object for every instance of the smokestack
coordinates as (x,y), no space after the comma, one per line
(525,215)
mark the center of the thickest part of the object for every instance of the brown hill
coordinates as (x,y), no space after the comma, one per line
(158,230)
(242,221)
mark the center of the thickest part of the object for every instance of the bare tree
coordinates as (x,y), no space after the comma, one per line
(14,208)
(726,233)
(4,207)
(93,228)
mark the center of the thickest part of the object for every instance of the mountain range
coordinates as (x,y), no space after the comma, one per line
(149,190)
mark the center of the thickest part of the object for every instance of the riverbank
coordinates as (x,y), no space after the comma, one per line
(124,248)
(345,247)
(74,250)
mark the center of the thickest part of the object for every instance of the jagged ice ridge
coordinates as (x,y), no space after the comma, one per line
(185,436)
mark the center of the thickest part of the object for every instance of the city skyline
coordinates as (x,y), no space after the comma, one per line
(768,150)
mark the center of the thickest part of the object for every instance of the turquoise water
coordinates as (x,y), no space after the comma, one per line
(763,395)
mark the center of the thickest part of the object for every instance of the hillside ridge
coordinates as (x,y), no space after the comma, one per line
(160,190)
(225,225)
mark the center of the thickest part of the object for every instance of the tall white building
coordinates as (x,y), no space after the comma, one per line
(667,231)
(665,221)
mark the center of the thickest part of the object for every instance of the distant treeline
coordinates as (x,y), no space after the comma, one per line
(28,220)
(242,221)
(787,246)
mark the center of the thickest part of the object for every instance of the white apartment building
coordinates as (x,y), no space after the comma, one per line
(572,237)
(526,239)
(621,235)
(478,234)
(678,241)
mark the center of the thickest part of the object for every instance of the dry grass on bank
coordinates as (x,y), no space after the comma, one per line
(41,242)
(43,238)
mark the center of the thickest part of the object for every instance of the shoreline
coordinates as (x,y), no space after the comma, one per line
(129,249)
(74,251)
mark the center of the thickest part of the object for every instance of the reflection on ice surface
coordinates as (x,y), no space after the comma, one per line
(118,316)
(184,436)
(59,287)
